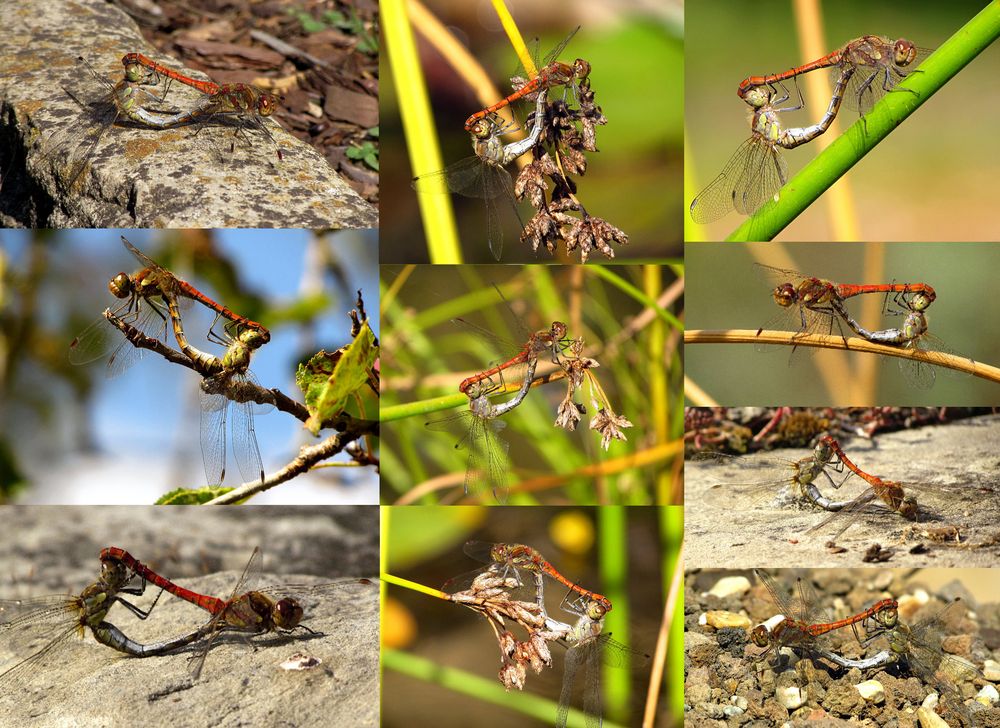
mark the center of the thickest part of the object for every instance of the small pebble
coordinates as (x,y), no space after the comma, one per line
(991,670)
(791,697)
(929,719)
(740,701)
(712,710)
(988,695)
(733,710)
(730,586)
(720,619)
(871,690)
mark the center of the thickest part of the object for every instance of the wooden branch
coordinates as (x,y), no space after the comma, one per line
(790,338)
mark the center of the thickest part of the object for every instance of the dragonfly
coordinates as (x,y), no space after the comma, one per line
(161,281)
(518,559)
(918,646)
(243,105)
(483,175)
(800,622)
(782,477)
(879,64)
(55,619)
(757,170)
(118,101)
(913,334)
(138,59)
(550,73)
(897,497)
(248,609)
(589,648)
(487,468)
(227,381)
(810,305)
(144,308)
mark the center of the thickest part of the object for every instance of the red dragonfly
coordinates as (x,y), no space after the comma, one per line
(551,73)
(800,622)
(249,610)
(521,558)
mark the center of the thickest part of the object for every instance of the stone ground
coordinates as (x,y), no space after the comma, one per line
(720,530)
(726,686)
(242,683)
(139,177)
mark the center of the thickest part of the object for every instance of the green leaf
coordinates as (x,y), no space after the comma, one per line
(309,23)
(366,152)
(190,497)
(328,380)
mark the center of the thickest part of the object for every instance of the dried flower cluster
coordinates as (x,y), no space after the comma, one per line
(568,133)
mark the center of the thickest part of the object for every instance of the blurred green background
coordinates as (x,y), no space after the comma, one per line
(426,355)
(626,554)
(635,180)
(931,179)
(726,293)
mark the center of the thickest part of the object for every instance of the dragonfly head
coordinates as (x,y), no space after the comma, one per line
(757,96)
(887,618)
(904,52)
(785,295)
(120,286)
(287,613)
(595,609)
(267,103)
(909,509)
(114,573)
(921,300)
(481,129)
(254,338)
(760,636)
(134,73)
(581,69)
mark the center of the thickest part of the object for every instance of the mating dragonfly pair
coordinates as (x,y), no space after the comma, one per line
(151,300)
(867,69)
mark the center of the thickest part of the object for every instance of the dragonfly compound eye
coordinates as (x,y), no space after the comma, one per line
(120,286)
(760,636)
(287,613)
(785,295)
(757,97)
(904,52)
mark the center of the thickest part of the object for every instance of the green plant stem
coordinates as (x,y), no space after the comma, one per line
(830,165)
(418,126)
(480,688)
(637,294)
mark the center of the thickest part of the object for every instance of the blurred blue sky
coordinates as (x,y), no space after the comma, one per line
(145,424)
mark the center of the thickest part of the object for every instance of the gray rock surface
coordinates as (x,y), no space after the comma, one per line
(139,177)
(54,549)
(736,534)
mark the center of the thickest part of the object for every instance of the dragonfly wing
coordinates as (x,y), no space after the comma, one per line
(245,444)
(213,436)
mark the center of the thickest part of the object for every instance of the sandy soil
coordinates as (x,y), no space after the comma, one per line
(722,531)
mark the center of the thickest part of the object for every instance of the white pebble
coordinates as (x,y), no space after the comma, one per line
(730,586)
(991,670)
(871,690)
(988,695)
(791,697)
(929,719)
